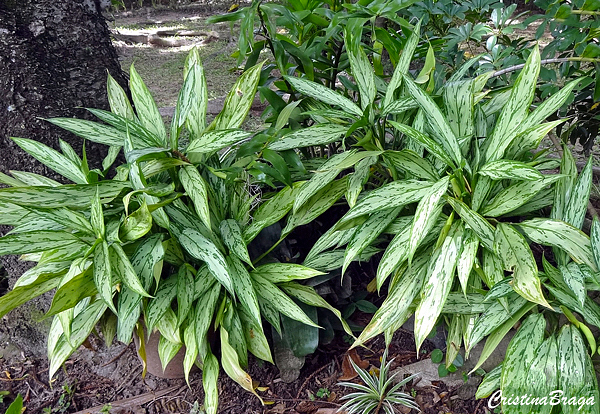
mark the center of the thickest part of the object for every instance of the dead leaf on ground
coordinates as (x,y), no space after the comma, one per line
(348,371)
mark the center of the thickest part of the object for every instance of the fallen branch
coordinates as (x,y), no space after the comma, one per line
(545,62)
(131,402)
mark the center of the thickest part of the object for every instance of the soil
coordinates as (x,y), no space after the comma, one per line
(98,378)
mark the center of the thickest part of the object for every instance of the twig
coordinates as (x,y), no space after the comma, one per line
(311,376)
(544,62)
(117,357)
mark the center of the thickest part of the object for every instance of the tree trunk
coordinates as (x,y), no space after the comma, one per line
(54,58)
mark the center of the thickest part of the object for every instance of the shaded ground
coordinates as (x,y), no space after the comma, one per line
(111,379)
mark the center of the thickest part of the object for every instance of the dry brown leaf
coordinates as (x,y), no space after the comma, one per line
(348,371)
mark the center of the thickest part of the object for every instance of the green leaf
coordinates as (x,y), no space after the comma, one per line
(399,106)
(362,70)
(316,205)
(459,104)
(203,249)
(324,94)
(559,234)
(542,374)
(255,337)
(394,194)
(430,145)
(576,208)
(212,141)
(515,110)
(92,131)
(36,241)
(196,120)
(576,375)
(271,211)
(575,280)
(205,312)
(309,296)
(285,272)
(145,107)
(412,163)
(82,326)
(210,376)
(244,289)
(509,170)
(437,121)
(233,239)
(490,383)
(196,189)
(69,218)
(118,100)
(238,101)
(403,64)
(367,233)
(96,216)
(467,258)
(75,196)
(395,307)
(137,224)
(21,294)
(321,178)
(427,212)
(498,334)
(519,357)
(321,134)
(494,316)
(358,179)
(516,195)
(123,269)
(517,257)
(52,159)
(436,288)
(103,275)
(480,226)
(280,301)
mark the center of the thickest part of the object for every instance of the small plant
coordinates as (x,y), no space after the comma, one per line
(323,393)
(378,393)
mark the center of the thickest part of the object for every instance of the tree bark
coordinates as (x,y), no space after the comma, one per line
(54,58)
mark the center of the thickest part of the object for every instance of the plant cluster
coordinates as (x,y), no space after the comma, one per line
(439,177)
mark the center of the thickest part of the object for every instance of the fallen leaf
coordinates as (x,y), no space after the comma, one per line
(348,371)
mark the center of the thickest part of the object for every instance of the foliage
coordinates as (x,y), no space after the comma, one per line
(378,392)
(16,407)
(162,244)
(464,178)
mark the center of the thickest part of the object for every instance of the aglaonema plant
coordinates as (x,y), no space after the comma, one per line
(465,200)
(162,246)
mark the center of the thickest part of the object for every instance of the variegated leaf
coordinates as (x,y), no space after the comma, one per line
(367,233)
(203,249)
(515,110)
(238,101)
(519,357)
(510,170)
(559,234)
(436,288)
(324,94)
(517,257)
(424,215)
(516,195)
(145,106)
(394,194)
